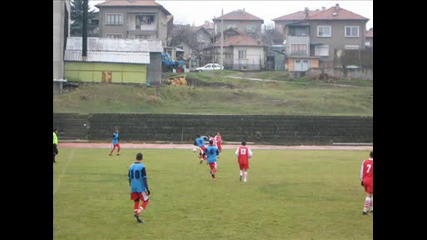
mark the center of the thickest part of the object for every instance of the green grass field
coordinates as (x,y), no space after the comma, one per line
(290,194)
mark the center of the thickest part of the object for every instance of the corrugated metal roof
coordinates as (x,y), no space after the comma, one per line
(112,50)
(110,57)
(111,44)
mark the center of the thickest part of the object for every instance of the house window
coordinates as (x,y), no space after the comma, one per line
(321,50)
(142,20)
(113,35)
(299,31)
(251,28)
(299,49)
(142,36)
(230,26)
(352,31)
(351,47)
(324,31)
(242,54)
(114,19)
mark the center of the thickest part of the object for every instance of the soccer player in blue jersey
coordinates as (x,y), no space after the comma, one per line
(115,143)
(200,142)
(139,190)
(212,152)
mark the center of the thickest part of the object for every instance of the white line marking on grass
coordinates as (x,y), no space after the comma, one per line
(64,169)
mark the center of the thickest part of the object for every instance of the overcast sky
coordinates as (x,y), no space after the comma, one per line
(197,12)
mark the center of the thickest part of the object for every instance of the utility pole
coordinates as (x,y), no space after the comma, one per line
(221,61)
(84,30)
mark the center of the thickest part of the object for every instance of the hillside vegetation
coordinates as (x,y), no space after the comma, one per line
(224,92)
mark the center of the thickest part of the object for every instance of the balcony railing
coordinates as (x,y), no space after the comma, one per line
(149,27)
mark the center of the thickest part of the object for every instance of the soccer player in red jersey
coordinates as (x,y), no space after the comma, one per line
(367,181)
(218,139)
(243,154)
(211,137)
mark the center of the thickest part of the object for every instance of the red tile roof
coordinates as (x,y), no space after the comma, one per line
(337,13)
(240,15)
(370,33)
(239,40)
(210,32)
(132,3)
(128,3)
(207,26)
(333,13)
(296,16)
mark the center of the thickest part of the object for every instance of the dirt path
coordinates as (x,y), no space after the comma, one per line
(226,146)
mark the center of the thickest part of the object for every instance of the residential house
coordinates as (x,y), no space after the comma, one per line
(192,40)
(94,21)
(114,60)
(208,31)
(275,59)
(239,34)
(369,41)
(204,35)
(61,30)
(241,20)
(181,41)
(313,37)
(231,32)
(241,52)
(143,19)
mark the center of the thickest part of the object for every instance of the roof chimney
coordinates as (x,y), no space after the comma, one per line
(337,7)
(323,8)
(306,12)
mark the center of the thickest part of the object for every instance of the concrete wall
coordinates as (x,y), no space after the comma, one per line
(254,58)
(154,69)
(341,73)
(61,9)
(338,40)
(182,128)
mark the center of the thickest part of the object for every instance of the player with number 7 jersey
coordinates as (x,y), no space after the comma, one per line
(367,181)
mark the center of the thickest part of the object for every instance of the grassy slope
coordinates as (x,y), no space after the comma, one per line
(217,93)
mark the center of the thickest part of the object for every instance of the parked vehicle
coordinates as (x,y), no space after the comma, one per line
(210,67)
(168,64)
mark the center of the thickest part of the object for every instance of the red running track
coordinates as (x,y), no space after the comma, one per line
(226,146)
